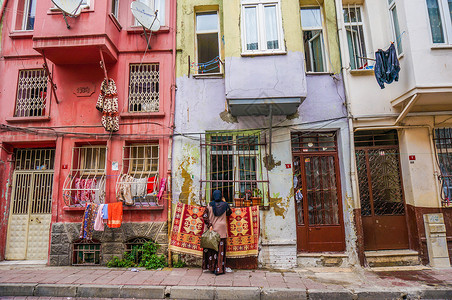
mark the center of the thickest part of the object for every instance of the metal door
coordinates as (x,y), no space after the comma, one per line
(30,215)
(382,199)
(318,202)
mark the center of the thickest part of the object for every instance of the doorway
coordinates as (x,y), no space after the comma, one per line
(380,189)
(317,189)
(31,205)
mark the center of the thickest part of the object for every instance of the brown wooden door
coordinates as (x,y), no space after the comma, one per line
(318,202)
(382,199)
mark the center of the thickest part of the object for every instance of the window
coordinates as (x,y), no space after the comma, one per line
(234,166)
(140,175)
(262,28)
(443,143)
(115,8)
(85,182)
(395,26)
(85,253)
(157,5)
(311,23)
(31,93)
(207,44)
(355,37)
(26,13)
(144,82)
(134,248)
(440,15)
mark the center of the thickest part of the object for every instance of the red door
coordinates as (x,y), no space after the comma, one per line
(318,202)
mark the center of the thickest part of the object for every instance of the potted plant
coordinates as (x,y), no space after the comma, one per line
(256,198)
(239,199)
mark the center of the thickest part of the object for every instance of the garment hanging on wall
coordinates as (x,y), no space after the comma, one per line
(99,222)
(107,103)
(114,215)
(89,217)
(387,66)
(124,191)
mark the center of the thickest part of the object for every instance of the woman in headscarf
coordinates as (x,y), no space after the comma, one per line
(215,219)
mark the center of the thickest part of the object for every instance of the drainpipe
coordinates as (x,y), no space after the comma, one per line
(173,10)
(354,183)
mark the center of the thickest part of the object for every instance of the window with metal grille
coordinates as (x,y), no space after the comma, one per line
(354,27)
(138,182)
(235,166)
(144,84)
(443,143)
(86,253)
(86,180)
(134,248)
(31,93)
(34,159)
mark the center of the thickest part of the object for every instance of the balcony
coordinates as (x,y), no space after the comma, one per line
(89,33)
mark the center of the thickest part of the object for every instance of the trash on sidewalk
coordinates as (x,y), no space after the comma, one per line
(228,270)
(134,270)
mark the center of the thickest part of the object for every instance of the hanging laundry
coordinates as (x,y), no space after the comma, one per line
(114,215)
(89,217)
(140,186)
(387,66)
(151,183)
(107,103)
(162,188)
(124,189)
(99,223)
(105,212)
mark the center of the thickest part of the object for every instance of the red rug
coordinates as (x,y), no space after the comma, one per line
(243,231)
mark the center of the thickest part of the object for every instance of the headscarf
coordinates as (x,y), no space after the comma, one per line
(218,206)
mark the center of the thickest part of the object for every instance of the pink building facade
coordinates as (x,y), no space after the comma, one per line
(55,155)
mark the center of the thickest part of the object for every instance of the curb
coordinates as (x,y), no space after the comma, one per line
(210,292)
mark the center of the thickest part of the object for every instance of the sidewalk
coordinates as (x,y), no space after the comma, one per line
(192,283)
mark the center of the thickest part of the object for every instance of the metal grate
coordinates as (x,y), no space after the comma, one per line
(86,180)
(144,88)
(31,93)
(135,248)
(235,166)
(140,165)
(379,175)
(321,141)
(443,143)
(34,159)
(86,254)
(32,192)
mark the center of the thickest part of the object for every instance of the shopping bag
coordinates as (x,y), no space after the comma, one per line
(210,240)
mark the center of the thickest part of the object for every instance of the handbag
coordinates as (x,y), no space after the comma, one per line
(210,240)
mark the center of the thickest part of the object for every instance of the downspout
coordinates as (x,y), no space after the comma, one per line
(173,11)
(342,46)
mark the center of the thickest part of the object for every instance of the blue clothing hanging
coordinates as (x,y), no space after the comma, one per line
(387,66)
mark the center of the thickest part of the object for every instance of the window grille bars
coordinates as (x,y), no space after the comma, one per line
(234,165)
(443,144)
(140,162)
(34,159)
(144,84)
(86,180)
(355,36)
(85,253)
(31,93)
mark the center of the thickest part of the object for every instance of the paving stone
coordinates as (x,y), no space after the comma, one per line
(16,289)
(143,292)
(56,290)
(330,295)
(253,293)
(189,292)
(437,294)
(293,294)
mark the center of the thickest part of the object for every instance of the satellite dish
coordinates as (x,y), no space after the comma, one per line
(73,8)
(145,15)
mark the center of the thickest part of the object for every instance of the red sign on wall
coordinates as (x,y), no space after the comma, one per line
(288,166)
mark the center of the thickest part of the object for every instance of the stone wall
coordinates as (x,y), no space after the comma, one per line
(112,240)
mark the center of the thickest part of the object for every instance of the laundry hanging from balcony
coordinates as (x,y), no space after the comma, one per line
(107,103)
(387,66)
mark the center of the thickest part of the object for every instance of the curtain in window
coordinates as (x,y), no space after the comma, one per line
(31,15)
(271,27)
(436,24)
(251,28)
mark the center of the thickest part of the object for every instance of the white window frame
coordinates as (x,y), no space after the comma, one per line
(397,39)
(115,8)
(358,23)
(206,32)
(158,5)
(322,38)
(26,9)
(446,21)
(260,14)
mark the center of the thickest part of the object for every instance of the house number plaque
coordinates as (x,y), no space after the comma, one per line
(85,89)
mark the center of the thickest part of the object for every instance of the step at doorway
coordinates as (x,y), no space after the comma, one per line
(392,258)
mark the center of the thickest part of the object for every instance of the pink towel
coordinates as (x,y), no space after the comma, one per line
(99,223)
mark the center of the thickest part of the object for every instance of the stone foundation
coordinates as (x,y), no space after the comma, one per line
(112,240)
